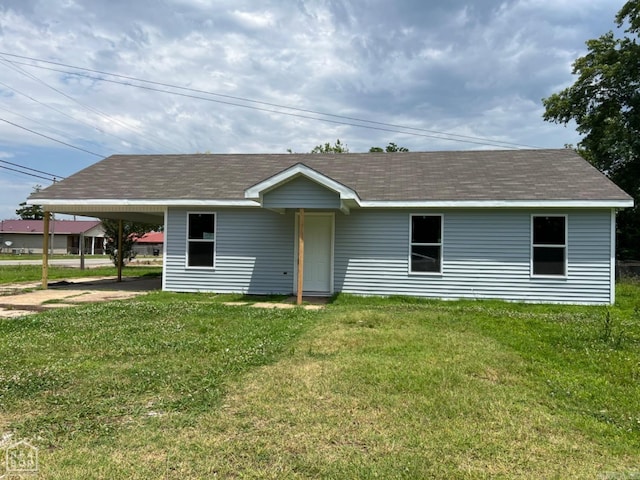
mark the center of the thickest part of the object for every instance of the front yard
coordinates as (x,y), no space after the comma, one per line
(33,273)
(180,386)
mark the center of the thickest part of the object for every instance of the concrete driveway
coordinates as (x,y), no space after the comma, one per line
(17,300)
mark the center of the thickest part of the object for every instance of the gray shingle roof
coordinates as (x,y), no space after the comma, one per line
(446,175)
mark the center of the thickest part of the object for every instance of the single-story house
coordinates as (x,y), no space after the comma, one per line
(521,225)
(151,243)
(26,236)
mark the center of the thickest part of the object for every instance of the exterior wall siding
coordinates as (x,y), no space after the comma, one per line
(24,243)
(486,254)
(301,193)
(254,253)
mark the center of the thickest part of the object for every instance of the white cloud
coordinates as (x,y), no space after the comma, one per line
(475,67)
(254,19)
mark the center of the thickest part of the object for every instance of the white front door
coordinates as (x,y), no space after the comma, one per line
(318,253)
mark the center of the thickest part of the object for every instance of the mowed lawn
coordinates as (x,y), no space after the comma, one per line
(33,273)
(180,386)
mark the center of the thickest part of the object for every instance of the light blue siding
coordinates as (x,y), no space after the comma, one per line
(486,254)
(254,253)
(301,193)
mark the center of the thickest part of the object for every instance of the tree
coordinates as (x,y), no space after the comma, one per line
(392,147)
(31,212)
(339,147)
(131,232)
(328,148)
(605,104)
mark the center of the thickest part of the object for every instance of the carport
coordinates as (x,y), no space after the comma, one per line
(153,214)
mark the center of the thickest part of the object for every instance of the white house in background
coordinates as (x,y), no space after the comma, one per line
(26,236)
(521,225)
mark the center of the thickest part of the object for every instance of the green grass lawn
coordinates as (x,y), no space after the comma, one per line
(33,273)
(179,386)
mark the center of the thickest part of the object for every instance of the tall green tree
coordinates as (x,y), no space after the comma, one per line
(31,212)
(604,102)
(131,232)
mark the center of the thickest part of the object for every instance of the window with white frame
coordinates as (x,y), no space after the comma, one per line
(426,244)
(549,245)
(201,239)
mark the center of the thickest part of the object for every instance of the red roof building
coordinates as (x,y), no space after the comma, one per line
(26,236)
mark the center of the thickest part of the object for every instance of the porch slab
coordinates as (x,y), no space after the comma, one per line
(272,305)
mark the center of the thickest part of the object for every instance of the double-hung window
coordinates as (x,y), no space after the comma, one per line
(426,244)
(201,239)
(549,245)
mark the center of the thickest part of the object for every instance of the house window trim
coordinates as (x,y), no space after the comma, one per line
(214,241)
(565,246)
(440,244)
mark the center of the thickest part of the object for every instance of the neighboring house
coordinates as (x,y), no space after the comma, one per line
(522,225)
(150,243)
(26,236)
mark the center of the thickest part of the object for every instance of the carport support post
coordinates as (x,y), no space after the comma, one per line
(45,250)
(119,250)
(82,251)
(300,255)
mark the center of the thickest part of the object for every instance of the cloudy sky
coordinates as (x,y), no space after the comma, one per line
(272,75)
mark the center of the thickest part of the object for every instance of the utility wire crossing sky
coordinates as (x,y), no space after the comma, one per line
(84,80)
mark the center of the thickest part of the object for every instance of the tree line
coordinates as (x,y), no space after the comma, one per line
(604,103)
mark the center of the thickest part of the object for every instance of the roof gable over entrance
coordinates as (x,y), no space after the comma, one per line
(302,187)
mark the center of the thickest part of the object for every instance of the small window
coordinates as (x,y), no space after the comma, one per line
(549,245)
(426,244)
(201,240)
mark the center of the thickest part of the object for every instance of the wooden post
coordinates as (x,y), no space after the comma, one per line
(119,250)
(82,251)
(45,251)
(300,255)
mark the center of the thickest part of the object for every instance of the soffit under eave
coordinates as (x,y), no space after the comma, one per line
(116,212)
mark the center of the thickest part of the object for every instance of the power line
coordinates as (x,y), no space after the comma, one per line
(52,139)
(88,107)
(27,173)
(32,169)
(389,126)
(60,111)
(497,143)
(46,125)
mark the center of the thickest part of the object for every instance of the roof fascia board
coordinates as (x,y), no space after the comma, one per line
(158,205)
(151,204)
(290,173)
(498,203)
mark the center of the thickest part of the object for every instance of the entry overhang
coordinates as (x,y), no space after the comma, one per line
(348,197)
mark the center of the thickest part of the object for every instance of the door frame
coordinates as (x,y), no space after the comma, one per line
(331,249)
